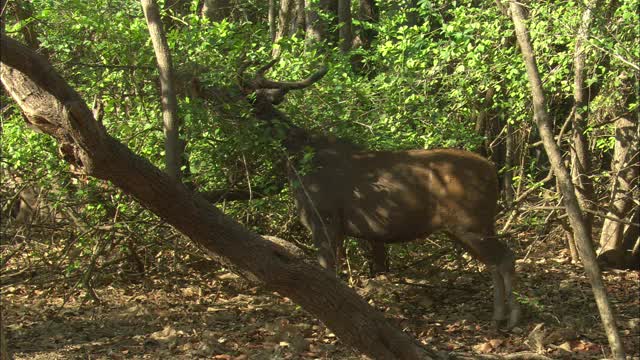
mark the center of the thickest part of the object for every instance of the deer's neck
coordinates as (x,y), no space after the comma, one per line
(296,139)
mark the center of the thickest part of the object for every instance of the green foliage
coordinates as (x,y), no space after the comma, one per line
(21,147)
(422,86)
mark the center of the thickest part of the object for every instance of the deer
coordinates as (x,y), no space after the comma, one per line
(383,197)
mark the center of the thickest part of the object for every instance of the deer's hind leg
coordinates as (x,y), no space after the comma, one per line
(507,270)
(376,254)
(379,257)
(501,262)
(499,299)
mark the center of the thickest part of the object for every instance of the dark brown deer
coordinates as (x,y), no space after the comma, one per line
(389,196)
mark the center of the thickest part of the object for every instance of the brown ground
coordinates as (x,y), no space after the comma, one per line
(188,314)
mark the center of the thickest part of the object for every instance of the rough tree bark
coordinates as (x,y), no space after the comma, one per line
(585,246)
(285,16)
(624,172)
(315,30)
(344,18)
(316,27)
(172,145)
(52,107)
(299,24)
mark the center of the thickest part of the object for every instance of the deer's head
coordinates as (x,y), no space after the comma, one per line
(264,93)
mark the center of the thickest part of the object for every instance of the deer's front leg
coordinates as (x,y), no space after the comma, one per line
(379,258)
(328,239)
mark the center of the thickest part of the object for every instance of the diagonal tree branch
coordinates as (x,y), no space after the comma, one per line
(53,107)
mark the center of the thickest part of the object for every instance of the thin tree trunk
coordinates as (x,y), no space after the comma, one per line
(4,349)
(363,34)
(566,227)
(580,157)
(581,235)
(285,15)
(509,152)
(23,12)
(299,24)
(3,12)
(317,29)
(624,172)
(367,12)
(571,244)
(172,145)
(272,20)
(482,121)
(631,233)
(49,104)
(344,18)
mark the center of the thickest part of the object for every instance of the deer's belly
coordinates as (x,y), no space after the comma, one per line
(387,224)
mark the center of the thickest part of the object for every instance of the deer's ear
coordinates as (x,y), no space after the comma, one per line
(277,96)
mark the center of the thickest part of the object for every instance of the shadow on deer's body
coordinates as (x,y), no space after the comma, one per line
(384,197)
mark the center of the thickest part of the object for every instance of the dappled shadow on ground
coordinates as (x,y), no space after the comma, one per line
(445,303)
(560,318)
(177,316)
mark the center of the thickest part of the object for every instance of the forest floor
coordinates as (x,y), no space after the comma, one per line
(187,313)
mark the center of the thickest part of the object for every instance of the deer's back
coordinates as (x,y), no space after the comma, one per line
(400,196)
